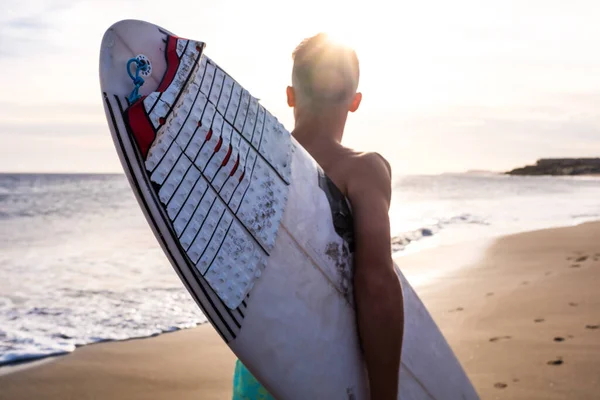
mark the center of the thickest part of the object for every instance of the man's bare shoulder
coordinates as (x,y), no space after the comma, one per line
(370,165)
(368,171)
(374,163)
(369,162)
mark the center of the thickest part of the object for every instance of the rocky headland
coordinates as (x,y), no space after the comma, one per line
(560,166)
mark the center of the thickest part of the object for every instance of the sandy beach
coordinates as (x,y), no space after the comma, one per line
(523,320)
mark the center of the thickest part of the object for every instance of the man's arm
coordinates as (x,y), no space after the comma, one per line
(377,290)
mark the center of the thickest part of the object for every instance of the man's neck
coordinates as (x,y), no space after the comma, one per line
(319,130)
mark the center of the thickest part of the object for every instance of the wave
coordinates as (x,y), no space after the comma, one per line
(585,215)
(401,241)
(66,319)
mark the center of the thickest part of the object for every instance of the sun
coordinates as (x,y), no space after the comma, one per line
(342,35)
(341,20)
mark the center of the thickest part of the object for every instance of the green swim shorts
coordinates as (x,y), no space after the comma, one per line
(245,385)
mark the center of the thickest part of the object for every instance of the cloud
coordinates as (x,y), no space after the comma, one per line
(62,113)
(30,24)
(25,25)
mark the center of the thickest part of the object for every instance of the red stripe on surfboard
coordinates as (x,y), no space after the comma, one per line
(141,127)
(226,159)
(139,122)
(172,64)
(235,166)
(219,143)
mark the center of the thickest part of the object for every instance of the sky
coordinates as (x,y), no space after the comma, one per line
(448,86)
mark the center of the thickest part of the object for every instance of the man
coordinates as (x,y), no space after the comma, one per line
(324,89)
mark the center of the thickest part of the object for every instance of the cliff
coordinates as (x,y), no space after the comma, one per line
(560,166)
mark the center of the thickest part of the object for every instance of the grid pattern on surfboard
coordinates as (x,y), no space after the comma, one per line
(227,322)
(222,165)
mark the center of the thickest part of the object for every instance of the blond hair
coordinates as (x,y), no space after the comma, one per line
(324,70)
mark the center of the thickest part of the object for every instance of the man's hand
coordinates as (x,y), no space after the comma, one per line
(377,290)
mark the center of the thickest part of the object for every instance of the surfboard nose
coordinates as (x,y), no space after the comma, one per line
(129,39)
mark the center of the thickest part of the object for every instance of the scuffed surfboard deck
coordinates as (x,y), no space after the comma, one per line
(240,209)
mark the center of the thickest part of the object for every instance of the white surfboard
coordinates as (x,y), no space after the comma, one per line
(258,234)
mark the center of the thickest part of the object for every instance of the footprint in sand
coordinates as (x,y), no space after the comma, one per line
(592,326)
(498,338)
(581,259)
(489,294)
(570,336)
(559,339)
(525,283)
(575,266)
(500,385)
(456,309)
(573,304)
(558,361)
(569,258)
(538,320)
(548,273)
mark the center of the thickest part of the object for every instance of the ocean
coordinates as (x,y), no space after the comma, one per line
(80,265)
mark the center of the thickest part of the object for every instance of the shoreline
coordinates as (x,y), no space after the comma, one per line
(456,251)
(485,299)
(461,259)
(23,364)
(163,366)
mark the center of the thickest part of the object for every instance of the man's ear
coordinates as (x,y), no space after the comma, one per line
(291,96)
(355,102)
